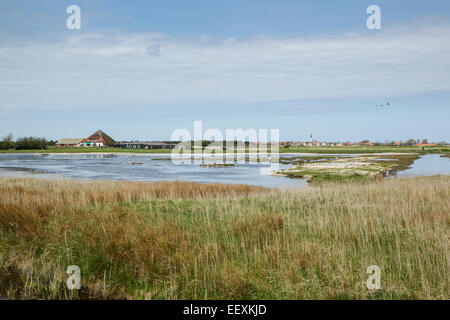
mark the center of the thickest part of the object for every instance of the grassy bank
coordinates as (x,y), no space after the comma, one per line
(340,169)
(189,241)
(318,150)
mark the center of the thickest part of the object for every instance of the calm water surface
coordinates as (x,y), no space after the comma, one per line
(428,165)
(148,168)
(145,168)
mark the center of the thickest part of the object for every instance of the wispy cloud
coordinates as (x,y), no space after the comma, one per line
(152,69)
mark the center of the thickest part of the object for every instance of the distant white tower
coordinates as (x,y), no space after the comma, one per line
(310,138)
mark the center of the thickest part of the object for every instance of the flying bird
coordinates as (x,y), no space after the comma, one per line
(382,105)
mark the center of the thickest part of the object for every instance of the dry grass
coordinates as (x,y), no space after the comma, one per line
(184,240)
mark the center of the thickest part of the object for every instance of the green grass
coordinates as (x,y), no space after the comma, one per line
(319,150)
(327,176)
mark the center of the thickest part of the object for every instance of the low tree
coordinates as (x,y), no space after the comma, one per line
(410,142)
(7,142)
(206,143)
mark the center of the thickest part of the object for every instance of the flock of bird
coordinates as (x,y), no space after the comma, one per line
(388,104)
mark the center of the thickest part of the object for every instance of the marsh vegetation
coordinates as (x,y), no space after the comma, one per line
(319,169)
(184,240)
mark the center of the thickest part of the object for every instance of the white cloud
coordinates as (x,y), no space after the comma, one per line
(151,69)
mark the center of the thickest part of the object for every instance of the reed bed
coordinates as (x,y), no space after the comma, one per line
(183,240)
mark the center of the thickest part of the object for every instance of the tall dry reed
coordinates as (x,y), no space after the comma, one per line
(184,240)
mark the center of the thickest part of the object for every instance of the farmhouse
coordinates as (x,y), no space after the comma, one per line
(98,139)
(69,142)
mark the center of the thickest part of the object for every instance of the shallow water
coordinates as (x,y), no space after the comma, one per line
(149,168)
(136,168)
(428,165)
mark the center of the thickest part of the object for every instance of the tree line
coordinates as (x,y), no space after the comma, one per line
(23,143)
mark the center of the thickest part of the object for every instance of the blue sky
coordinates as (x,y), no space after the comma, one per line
(141,69)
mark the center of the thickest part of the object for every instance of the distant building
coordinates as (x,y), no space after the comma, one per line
(98,139)
(425,144)
(146,145)
(69,142)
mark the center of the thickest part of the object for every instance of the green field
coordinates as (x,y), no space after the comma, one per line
(319,150)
